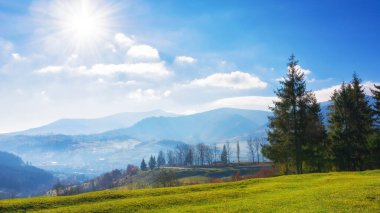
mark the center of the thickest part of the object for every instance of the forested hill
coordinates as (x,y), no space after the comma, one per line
(18,179)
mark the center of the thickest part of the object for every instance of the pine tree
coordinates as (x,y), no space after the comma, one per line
(143,165)
(350,126)
(223,156)
(376,106)
(316,150)
(160,159)
(374,141)
(152,162)
(294,114)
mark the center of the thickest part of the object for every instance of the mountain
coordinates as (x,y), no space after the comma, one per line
(18,179)
(210,126)
(96,125)
(93,154)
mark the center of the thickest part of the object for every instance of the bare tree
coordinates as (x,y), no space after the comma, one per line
(170,157)
(201,149)
(251,148)
(215,152)
(238,151)
(208,154)
(229,151)
(180,153)
(259,142)
(189,157)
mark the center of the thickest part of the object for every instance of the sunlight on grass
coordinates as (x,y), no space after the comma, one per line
(330,192)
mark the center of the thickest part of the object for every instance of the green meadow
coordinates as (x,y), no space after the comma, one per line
(321,192)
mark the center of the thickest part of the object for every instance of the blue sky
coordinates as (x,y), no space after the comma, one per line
(85,58)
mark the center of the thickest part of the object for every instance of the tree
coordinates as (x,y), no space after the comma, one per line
(257,144)
(152,162)
(292,116)
(316,151)
(215,152)
(251,149)
(229,151)
(180,153)
(374,141)
(170,157)
(165,178)
(208,154)
(350,125)
(223,156)
(201,149)
(143,165)
(376,106)
(160,159)
(132,169)
(189,157)
(238,151)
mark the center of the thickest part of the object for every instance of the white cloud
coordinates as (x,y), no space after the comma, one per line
(184,60)
(325,94)
(236,80)
(245,102)
(148,70)
(51,69)
(167,93)
(72,58)
(304,71)
(18,57)
(144,52)
(138,69)
(147,95)
(6,49)
(123,40)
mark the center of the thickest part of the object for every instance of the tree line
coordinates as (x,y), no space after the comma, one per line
(203,154)
(299,140)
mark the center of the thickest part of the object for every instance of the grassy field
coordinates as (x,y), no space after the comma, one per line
(330,192)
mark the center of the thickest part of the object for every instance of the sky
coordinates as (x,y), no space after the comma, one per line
(87,59)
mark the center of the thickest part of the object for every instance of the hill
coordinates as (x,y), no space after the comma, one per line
(329,192)
(18,179)
(132,178)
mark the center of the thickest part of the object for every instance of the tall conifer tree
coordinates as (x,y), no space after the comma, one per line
(294,115)
(143,166)
(374,142)
(350,125)
(160,159)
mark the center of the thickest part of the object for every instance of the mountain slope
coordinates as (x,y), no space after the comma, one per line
(20,180)
(96,125)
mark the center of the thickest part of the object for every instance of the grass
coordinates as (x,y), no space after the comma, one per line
(194,180)
(328,192)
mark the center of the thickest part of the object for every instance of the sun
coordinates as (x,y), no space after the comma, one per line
(84,21)
(79,26)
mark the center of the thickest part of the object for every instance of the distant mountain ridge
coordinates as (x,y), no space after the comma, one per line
(94,125)
(97,153)
(210,126)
